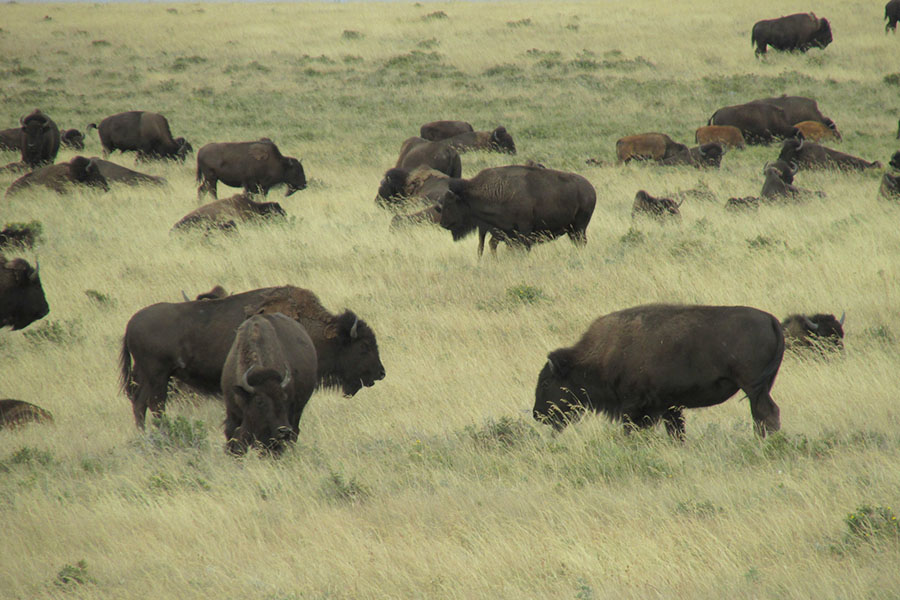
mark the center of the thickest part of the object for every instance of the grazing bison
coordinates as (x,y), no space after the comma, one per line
(255,166)
(40,139)
(441,130)
(430,215)
(190,341)
(418,152)
(648,363)
(22,300)
(60,177)
(399,187)
(14,413)
(114,173)
(72,138)
(799,108)
(801,31)
(240,207)
(818,331)
(726,135)
(11,139)
(521,205)
(815,131)
(895,160)
(890,187)
(759,122)
(146,133)
(498,140)
(267,379)
(645,204)
(892,15)
(812,155)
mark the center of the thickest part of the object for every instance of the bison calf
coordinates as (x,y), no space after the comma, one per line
(815,131)
(726,135)
(14,413)
(498,140)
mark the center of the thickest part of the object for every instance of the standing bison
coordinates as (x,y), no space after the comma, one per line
(22,300)
(60,178)
(417,152)
(40,139)
(799,108)
(190,341)
(892,15)
(759,122)
(255,166)
(521,205)
(146,133)
(801,31)
(267,379)
(648,363)
(441,130)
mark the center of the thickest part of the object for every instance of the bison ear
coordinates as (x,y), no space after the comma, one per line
(560,362)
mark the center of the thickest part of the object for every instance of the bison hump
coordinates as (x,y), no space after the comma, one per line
(260,152)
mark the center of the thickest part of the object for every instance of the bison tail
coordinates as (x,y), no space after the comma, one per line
(125,367)
(90,126)
(199,174)
(763,385)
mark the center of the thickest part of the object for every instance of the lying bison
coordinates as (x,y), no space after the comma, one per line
(60,178)
(15,413)
(812,156)
(821,331)
(659,208)
(255,166)
(890,187)
(240,207)
(892,15)
(22,300)
(22,235)
(146,133)
(648,363)
(521,205)
(704,155)
(759,122)
(778,184)
(423,184)
(648,146)
(441,130)
(267,379)
(726,135)
(498,140)
(72,138)
(190,341)
(11,139)
(417,152)
(742,203)
(114,173)
(801,32)
(40,139)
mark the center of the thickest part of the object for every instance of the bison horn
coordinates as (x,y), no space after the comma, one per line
(551,366)
(185,296)
(766,167)
(843,314)
(354,330)
(246,384)
(794,167)
(37,270)
(287,376)
(800,147)
(810,324)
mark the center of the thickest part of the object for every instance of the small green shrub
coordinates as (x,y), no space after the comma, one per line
(764,242)
(100,43)
(872,523)
(438,14)
(503,433)
(179,433)
(54,332)
(892,79)
(27,456)
(704,509)
(519,23)
(72,575)
(633,237)
(338,488)
(525,294)
(100,298)
(350,34)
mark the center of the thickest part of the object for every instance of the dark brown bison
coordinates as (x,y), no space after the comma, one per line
(441,130)
(400,187)
(759,122)
(892,15)
(11,139)
(726,135)
(114,173)
(255,166)
(417,152)
(267,379)
(22,300)
(898,129)
(659,208)
(498,140)
(146,133)
(648,363)
(815,131)
(240,207)
(801,31)
(820,331)
(40,139)
(190,341)
(61,177)
(15,413)
(742,203)
(890,187)
(815,156)
(895,160)
(798,109)
(648,146)
(521,205)
(72,138)
(430,216)
(778,184)
(22,235)
(704,155)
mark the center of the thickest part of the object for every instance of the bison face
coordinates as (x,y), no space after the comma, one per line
(790,150)
(23,302)
(294,176)
(358,362)
(711,154)
(184,148)
(392,187)
(559,397)
(33,140)
(455,216)
(502,140)
(822,37)
(86,171)
(262,395)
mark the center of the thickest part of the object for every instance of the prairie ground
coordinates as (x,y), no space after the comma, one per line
(435,483)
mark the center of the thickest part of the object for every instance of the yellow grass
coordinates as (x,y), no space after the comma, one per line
(408,490)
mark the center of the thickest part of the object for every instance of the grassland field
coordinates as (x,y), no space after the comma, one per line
(436,483)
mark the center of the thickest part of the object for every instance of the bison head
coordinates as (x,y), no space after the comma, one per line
(822,37)
(294,176)
(392,188)
(822,331)
(833,127)
(35,127)
(790,150)
(73,139)
(22,299)
(263,394)
(786,171)
(710,154)
(85,170)
(559,397)
(895,160)
(358,363)
(455,214)
(184,148)
(502,141)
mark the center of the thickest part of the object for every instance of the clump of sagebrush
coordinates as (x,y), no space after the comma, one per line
(179,433)
(505,432)
(100,298)
(27,456)
(54,332)
(519,23)
(71,575)
(339,488)
(632,237)
(350,34)
(892,79)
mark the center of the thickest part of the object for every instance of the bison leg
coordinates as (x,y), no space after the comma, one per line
(150,395)
(766,415)
(208,185)
(481,235)
(674,420)
(578,237)
(634,421)
(234,433)
(760,48)
(495,241)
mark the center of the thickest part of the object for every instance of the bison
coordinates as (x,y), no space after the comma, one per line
(812,155)
(815,131)
(759,122)
(11,139)
(892,15)
(255,166)
(40,139)
(114,173)
(704,155)
(659,208)
(60,177)
(441,130)
(890,187)
(14,413)
(267,379)
(821,331)
(778,183)
(648,146)
(800,31)
(895,160)
(400,186)
(498,140)
(726,135)
(521,205)
(22,300)
(418,152)
(146,133)
(190,341)
(742,203)
(800,108)
(72,138)
(647,363)
(240,207)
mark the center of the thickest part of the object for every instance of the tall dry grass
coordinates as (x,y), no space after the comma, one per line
(434,483)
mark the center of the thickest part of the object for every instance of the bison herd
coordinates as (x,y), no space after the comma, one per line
(266,350)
